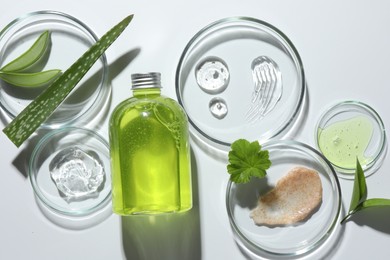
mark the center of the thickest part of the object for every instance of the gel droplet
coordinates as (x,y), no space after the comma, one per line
(218,108)
(212,75)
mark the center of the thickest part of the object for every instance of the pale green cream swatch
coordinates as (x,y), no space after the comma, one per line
(344,141)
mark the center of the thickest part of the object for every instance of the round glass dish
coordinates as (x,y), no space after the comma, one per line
(234,44)
(69,39)
(69,170)
(285,242)
(349,130)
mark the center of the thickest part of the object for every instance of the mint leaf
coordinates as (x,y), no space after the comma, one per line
(247,160)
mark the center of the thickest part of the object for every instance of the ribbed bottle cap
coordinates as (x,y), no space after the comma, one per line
(146,80)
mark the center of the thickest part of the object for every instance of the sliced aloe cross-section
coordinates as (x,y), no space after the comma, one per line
(29,57)
(29,80)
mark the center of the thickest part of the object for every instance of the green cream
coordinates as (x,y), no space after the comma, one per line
(344,141)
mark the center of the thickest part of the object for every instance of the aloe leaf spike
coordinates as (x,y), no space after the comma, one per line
(29,57)
(25,124)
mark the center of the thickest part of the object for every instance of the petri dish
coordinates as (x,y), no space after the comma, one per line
(69,39)
(348,130)
(80,157)
(234,44)
(293,241)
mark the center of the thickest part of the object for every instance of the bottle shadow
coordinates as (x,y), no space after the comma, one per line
(164,236)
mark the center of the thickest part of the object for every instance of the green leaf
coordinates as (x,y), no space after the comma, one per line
(30,79)
(375,203)
(359,199)
(359,193)
(31,56)
(45,104)
(247,160)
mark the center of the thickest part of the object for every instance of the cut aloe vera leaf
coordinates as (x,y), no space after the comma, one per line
(30,80)
(31,56)
(25,124)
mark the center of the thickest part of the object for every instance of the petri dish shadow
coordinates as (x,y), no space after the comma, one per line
(21,161)
(75,222)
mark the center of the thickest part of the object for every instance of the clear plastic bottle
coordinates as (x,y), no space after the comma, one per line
(150,152)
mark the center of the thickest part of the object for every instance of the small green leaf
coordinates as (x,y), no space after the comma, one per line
(247,160)
(45,104)
(31,56)
(359,193)
(375,203)
(30,79)
(359,199)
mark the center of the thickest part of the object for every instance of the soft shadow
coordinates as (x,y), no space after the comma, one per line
(89,85)
(327,248)
(333,243)
(376,218)
(75,223)
(301,117)
(21,161)
(247,194)
(122,62)
(165,236)
(215,151)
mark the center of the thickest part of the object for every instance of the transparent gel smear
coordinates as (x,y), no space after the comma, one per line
(212,75)
(267,91)
(218,108)
(77,174)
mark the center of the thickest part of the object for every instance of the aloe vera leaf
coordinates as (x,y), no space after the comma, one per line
(29,80)
(29,57)
(25,124)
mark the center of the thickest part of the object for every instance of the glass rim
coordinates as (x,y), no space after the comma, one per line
(102,92)
(328,114)
(282,39)
(32,170)
(253,247)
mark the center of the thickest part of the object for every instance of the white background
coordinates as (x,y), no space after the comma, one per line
(344,46)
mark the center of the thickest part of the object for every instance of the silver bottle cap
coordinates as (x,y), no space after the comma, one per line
(146,80)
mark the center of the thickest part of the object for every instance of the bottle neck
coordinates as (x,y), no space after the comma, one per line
(146,84)
(149,92)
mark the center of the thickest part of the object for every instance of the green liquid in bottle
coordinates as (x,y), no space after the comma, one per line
(150,155)
(342,142)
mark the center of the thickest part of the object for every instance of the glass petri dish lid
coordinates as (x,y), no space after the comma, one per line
(69,39)
(69,171)
(240,77)
(351,130)
(291,241)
